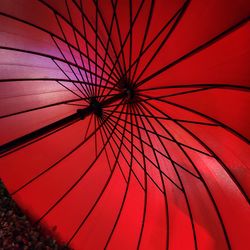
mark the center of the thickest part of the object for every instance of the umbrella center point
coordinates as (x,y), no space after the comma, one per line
(127,87)
(96,107)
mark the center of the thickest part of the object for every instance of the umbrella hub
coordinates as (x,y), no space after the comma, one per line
(96,107)
(127,87)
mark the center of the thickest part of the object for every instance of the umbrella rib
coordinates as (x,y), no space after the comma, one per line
(46,106)
(50,79)
(165,137)
(120,39)
(176,163)
(212,85)
(51,34)
(67,43)
(176,19)
(231,130)
(52,58)
(88,127)
(81,176)
(145,179)
(124,157)
(182,186)
(105,126)
(80,8)
(131,35)
(126,191)
(87,47)
(195,50)
(167,157)
(167,131)
(69,81)
(106,153)
(96,44)
(137,161)
(210,195)
(84,96)
(123,129)
(125,40)
(109,34)
(71,20)
(78,105)
(36,140)
(74,28)
(151,161)
(86,44)
(107,48)
(95,137)
(208,192)
(154,40)
(233,178)
(139,110)
(101,193)
(42,107)
(180,93)
(143,41)
(159,152)
(172,119)
(57,162)
(137,137)
(52,166)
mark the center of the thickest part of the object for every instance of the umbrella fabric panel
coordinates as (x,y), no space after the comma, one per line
(213,103)
(39,156)
(37,94)
(29,122)
(205,27)
(228,149)
(222,62)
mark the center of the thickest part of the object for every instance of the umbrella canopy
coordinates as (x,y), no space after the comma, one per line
(124,124)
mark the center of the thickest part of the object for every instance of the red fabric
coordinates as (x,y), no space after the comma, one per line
(168,172)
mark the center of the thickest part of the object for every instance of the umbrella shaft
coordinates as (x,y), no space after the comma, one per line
(79,115)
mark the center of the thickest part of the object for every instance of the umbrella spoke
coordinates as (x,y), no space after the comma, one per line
(67,42)
(84,17)
(104,187)
(138,109)
(202,85)
(76,30)
(182,187)
(89,90)
(81,176)
(196,50)
(231,130)
(54,58)
(143,42)
(125,40)
(232,177)
(109,32)
(84,96)
(108,126)
(176,19)
(120,38)
(207,190)
(153,163)
(163,136)
(42,107)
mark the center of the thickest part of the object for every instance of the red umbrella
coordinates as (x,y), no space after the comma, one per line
(124,124)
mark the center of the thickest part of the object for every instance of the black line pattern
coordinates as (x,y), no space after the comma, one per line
(94,61)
